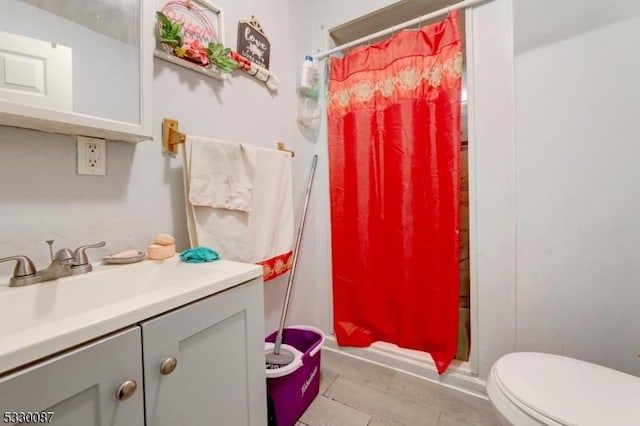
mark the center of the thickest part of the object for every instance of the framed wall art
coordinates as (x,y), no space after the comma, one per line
(253,43)
(190,33)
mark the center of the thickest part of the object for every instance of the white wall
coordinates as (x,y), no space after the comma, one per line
(42,198)
(542,22)
(577,106)
(492,183)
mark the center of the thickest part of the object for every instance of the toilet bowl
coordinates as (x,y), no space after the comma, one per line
(529,388)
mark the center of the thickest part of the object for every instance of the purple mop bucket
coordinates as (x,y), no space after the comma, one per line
(289,396)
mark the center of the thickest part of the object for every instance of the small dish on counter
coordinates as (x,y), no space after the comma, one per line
(121,260)
(161,252)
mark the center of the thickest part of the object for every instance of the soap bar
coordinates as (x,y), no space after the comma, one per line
(126,253)
(158,252)
(164,240)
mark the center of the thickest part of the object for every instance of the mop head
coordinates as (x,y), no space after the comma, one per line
(277,365)
(279,360)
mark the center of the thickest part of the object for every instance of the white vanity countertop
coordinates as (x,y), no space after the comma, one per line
(41,319)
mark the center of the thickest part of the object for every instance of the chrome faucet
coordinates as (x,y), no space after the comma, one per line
(59,267)
(24,273)
(64,263)
(80,264)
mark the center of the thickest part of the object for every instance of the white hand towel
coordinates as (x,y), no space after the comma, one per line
(222,174)
(263,234)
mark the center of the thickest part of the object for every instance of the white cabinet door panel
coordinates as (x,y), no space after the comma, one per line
(80,386)
(219,345)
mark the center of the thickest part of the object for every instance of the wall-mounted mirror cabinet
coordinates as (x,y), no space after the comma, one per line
(78,67)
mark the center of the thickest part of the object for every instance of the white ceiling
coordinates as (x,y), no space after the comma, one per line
(395,14)
(114,18)
(536,22)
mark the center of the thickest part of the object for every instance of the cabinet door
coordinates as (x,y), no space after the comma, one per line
(85,70)
(219,379)
(79,387)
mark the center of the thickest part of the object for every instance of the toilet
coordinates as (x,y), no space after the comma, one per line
(530,388)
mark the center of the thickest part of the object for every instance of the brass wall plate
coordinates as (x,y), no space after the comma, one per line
(280,146)
(171,137)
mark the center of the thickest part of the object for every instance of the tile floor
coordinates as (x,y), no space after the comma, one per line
(359,393)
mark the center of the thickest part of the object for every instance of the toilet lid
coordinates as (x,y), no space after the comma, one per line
(567,390)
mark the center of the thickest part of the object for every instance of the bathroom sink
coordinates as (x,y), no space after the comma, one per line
(106,285)
(41,318)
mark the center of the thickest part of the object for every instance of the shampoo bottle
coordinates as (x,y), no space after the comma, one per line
(308,77)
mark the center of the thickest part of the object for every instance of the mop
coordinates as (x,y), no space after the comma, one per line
(281,356)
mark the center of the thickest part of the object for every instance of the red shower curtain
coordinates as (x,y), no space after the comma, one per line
(394,144)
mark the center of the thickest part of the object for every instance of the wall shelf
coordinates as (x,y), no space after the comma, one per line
(210,72)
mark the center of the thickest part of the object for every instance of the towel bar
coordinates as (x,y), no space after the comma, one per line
(281,147)
(171,137)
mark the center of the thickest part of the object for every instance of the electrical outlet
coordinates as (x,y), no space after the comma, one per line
(91,156)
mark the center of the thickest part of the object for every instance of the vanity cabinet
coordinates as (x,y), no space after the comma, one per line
(200,364)
(219,377)
(79,387)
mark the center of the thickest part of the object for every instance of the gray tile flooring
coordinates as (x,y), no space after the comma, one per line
(359,393)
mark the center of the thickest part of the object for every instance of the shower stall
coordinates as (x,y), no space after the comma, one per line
(389,354)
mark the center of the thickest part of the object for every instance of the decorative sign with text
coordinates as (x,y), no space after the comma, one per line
(187,33)
(253,44)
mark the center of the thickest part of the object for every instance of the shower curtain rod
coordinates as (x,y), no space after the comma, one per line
(444,11)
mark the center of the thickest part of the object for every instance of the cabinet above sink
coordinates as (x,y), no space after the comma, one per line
(77,67)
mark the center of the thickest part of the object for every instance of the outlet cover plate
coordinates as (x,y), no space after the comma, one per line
(91,156)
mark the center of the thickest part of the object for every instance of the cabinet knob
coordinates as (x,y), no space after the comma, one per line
(168,365)
(126,390)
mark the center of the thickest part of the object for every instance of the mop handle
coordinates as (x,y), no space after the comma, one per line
(278,342)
